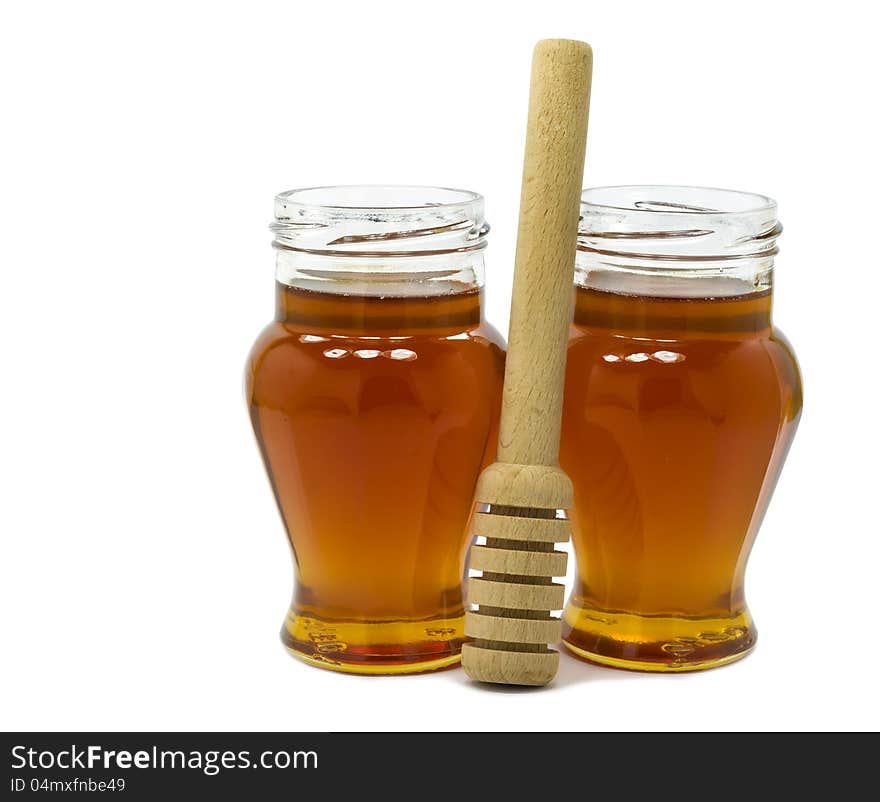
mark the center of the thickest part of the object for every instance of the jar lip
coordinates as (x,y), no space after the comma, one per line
(359,198)
(379,220)
(676,200)
(668,227)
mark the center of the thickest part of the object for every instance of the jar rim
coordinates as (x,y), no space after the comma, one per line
(676,231)
(358,198)
(379,219)
(676,200)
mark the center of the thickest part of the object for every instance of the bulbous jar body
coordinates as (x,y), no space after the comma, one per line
(374,397)
(681,402)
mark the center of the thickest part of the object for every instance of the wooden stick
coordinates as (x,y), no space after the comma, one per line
(512,625)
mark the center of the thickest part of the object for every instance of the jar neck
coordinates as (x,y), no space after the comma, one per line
(380,241)
(671,242)
(391,275)
(686,280)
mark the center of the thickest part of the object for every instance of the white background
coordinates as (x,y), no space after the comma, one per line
(144,570)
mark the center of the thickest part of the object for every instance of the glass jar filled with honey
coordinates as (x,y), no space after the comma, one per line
(374,397)
(681,401)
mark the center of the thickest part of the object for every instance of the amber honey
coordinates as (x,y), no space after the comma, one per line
(375,414)
(679,411)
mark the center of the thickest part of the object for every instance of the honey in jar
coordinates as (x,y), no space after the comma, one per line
(681,401)
(374,397)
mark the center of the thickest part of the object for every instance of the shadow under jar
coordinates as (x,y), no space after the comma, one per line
(681,401)
(374,397)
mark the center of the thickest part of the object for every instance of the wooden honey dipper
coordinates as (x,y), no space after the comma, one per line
(513,626)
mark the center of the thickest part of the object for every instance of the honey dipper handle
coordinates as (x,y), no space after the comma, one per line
(556,137)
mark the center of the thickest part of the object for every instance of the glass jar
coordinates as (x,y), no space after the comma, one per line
(681,402)
(375,397)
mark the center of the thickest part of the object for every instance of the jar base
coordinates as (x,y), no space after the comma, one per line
(668,644)
(374,647)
